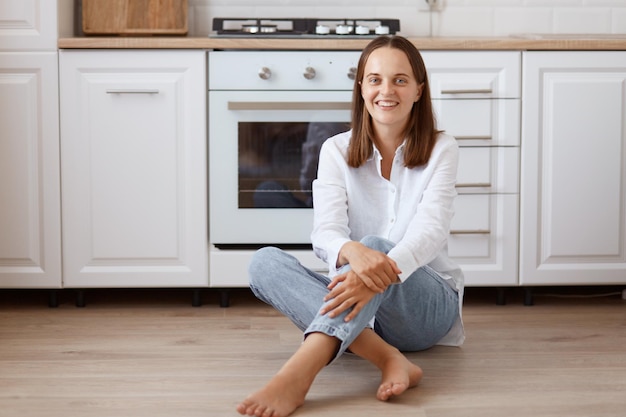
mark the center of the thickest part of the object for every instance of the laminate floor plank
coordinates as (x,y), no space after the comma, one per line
(152,354)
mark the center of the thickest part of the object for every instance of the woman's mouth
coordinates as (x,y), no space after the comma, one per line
(387,104)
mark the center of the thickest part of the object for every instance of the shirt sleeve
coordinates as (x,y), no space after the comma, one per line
(428,230)
(330,202)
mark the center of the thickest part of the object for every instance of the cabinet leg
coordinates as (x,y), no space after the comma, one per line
(224,298)
(196,299)
(53,299)
(528,297)
(500,296)
(80,298)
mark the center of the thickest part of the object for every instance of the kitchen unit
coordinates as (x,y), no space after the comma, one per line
(30,220)
(573,183)
(491,248)
(133,164)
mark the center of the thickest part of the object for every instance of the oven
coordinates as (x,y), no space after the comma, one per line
(269,113)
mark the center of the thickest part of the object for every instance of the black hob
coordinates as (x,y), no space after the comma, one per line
(304,27)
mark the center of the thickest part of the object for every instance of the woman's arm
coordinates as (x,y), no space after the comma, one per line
(374,268)
(428,230)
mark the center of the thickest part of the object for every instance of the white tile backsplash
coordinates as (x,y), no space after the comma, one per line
(458,17)
(582,20)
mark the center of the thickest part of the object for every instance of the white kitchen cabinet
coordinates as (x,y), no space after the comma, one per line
(573,177)
(30,218)
(477,99)
(133,163)
(28,25)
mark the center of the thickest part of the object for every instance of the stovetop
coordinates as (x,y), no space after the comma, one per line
(304,27)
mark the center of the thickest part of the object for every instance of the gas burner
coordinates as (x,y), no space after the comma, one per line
(304,27)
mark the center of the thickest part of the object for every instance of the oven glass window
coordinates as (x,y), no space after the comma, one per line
(278,162)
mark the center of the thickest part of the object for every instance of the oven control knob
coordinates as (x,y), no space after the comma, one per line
(309,73)
(352,73)
(265,73)
(382,30)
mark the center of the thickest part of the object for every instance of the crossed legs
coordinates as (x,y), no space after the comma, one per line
(279,280)
(286,391)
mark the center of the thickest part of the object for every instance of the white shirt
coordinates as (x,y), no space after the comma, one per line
(413,209)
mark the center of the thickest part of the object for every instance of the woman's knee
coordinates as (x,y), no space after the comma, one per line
(263,265)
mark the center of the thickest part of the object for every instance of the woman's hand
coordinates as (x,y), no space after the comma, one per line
(374,268)
(351,293)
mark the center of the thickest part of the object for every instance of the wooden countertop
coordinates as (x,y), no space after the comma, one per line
(521,42)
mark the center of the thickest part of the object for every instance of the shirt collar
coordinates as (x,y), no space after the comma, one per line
(377,155)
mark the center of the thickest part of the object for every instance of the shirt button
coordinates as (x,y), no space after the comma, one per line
(392,220)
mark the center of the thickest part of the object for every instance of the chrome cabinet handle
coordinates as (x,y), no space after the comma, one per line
(470,232)
(265,73)
(469,91)
(131,91)
(309,73)
(477,137)
(475,184)
(288,105)
(352,73)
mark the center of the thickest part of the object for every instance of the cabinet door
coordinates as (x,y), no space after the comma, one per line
(133,152)
(28,25)
(573,182)
(30,218)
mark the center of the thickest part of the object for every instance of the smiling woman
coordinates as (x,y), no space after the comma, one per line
(391,286)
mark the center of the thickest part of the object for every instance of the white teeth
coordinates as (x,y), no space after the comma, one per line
(386,103)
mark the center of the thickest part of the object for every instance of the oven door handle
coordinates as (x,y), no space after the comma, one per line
(288,105)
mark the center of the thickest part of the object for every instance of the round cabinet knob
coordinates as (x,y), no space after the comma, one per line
(265,73)
(352,73)
(309,73)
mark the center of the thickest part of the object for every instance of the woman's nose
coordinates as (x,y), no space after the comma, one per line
(387,87)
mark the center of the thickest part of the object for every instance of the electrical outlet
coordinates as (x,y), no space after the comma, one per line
(430,5)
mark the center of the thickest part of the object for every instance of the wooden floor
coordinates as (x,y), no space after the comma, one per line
(149,353)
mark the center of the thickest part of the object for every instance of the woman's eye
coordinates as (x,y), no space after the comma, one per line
(401,81)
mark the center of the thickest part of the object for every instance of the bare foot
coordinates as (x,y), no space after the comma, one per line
(398,375)
(279,398)
(286,390)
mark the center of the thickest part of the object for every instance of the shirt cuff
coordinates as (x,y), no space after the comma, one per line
(333,249)
(405,261)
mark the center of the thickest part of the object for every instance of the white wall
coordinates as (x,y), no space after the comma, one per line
(458,17)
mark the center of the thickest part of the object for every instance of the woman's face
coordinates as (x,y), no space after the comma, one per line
(389,88)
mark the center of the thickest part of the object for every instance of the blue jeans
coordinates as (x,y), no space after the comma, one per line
(411,316)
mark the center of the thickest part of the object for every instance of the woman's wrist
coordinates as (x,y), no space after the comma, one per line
(344,253)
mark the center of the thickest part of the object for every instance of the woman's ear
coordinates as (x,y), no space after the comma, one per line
(420,88)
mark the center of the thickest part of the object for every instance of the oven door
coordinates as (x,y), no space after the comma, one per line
(263,152)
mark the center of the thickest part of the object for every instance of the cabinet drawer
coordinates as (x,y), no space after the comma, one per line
(488,170)
(481,122)
(484,238)
(471,74)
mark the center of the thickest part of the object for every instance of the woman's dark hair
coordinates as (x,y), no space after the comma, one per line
(421,130)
